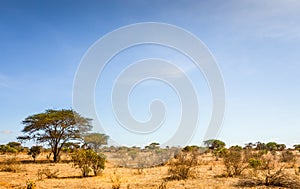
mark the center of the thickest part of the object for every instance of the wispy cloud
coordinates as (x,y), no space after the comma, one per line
(164,72)
(270,19)
(6,132)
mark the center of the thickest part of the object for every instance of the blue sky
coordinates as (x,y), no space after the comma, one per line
(255,43)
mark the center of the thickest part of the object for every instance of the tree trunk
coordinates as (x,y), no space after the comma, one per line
(54,157)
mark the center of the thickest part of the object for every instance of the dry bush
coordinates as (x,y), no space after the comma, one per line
(268,161)
(47,172)
(250,154)
(116,181)
(289,158)
(162,185)
(183,166)
(268,178)
(10,164)
(30,184)
(233,161)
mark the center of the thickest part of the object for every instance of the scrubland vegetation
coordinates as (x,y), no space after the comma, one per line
(69,155)
(250,166)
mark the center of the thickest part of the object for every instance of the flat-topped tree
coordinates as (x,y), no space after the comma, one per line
(95,140)
(214,144)
(55,128)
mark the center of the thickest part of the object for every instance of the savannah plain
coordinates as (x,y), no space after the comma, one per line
(190,168)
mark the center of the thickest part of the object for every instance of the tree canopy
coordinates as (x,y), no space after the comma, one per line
(214,144)
(95,140)
(55,128)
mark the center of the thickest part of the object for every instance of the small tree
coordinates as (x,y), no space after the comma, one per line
(214,144)
(272,146)
(260,146)
(297,147)
(34,151)
(15,145)
(88,160)
(249,146)
(95,140)
(153,146)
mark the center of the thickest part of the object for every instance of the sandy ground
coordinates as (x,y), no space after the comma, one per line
(129,178)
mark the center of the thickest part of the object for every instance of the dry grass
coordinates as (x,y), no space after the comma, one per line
(151,178)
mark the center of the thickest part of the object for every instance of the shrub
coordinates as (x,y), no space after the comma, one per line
(30,184)
(116,181)
(233,162)
(254,163)
(275,178)
(7,149)
(47,172)
(268,161)
(88,160)
(288,157)
(182,166)
(34,151)
(219,153)
(10,165)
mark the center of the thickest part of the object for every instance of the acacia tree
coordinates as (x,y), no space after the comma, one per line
(214,144)
(95,140)
(55,128)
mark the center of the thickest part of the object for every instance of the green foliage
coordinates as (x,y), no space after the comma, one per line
(55,128)
(70,147)
(95,140)
(191,148)
(88,160)
(214,144)
(236,147)
(11,147)
(16,145)
(153,146)
(281,147)
(219,153)
(297,147)
(34,151)
(249,146)
(7,149)
(254,163)
(273,146)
